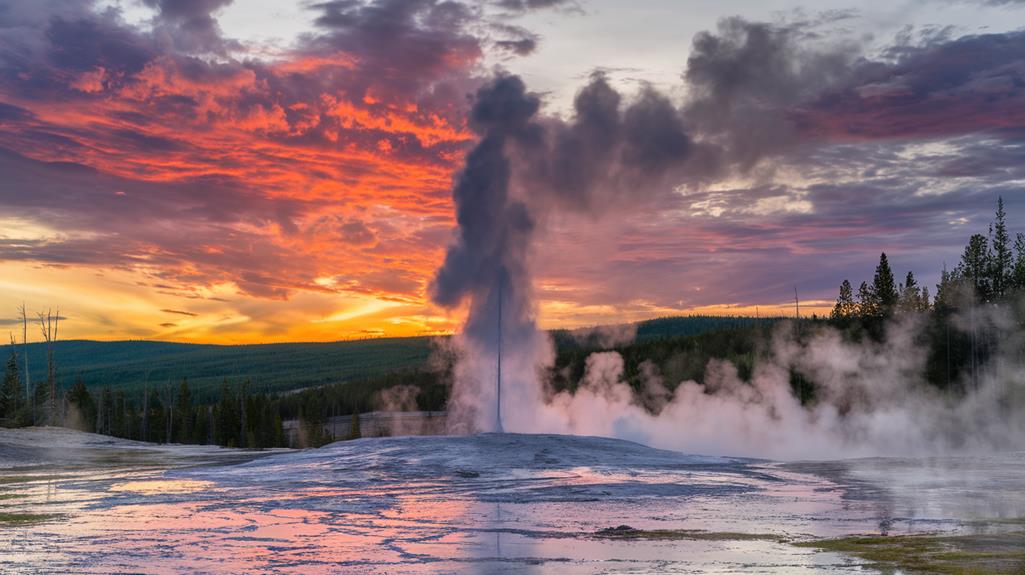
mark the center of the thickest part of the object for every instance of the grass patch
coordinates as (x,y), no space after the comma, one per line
(943,554)
(11,519)
(627,532)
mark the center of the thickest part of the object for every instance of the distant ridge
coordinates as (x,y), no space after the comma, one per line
(131,365)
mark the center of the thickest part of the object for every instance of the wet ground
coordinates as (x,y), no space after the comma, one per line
(482,504)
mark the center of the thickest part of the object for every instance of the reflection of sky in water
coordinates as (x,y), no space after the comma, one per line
(488,505)
(162,486)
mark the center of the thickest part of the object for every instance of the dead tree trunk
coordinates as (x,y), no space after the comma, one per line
(24,352)
(48,323)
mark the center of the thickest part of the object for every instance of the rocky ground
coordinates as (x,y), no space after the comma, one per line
(508,503)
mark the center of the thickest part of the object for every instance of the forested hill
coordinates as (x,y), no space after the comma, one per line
(132,365)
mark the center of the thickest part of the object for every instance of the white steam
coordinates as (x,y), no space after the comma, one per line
(871,399)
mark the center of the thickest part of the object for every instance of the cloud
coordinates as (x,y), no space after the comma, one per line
(179,312)
(130,151)
(174,153)
(950,88)
(515,39)
(190,26)
(805,206)
(529,5)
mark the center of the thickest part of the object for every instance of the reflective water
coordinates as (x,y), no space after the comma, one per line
(488,504)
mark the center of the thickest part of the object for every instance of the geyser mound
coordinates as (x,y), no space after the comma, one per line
(491,467)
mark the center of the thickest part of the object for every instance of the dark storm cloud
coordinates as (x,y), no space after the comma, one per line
(515,39)
(400,43)
(990,161)
(747,78)
(949,88)
(87,43)
(521,46)
(9,112)
(758,90)
(528,5)
(190,25)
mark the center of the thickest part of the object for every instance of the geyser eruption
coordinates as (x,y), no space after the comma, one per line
(523,168)
(616,154)
(488,263)
(611,155)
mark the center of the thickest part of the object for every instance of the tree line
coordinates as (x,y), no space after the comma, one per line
(238,418)
(990,271)
(22,403)
(169,415)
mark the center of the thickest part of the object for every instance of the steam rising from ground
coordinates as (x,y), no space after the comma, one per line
(872,399)
(619,153)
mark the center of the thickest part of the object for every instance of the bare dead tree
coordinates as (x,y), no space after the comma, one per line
(10,401)
(48,323)
(24,353)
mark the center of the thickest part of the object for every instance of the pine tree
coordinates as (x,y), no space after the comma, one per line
(884,288)
(227,417)
(1019,263)
(312,419)
(11,399)
(974,267)
(107,414)
(1001,264)
(184,414)
(845,307)
(354,428)
(156,418)
(866,301)
(84,407)
(945,290)
(910,295)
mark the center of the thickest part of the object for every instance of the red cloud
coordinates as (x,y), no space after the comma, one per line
(201,172)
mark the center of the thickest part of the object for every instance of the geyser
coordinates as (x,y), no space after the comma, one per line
(618,155)
(522,168)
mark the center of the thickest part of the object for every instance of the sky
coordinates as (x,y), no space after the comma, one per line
(258,171)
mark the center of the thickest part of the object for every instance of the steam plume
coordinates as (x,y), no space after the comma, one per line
(618,153)
(522,168)
(872,399)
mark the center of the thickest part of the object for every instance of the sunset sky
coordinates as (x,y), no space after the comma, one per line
(260,170)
